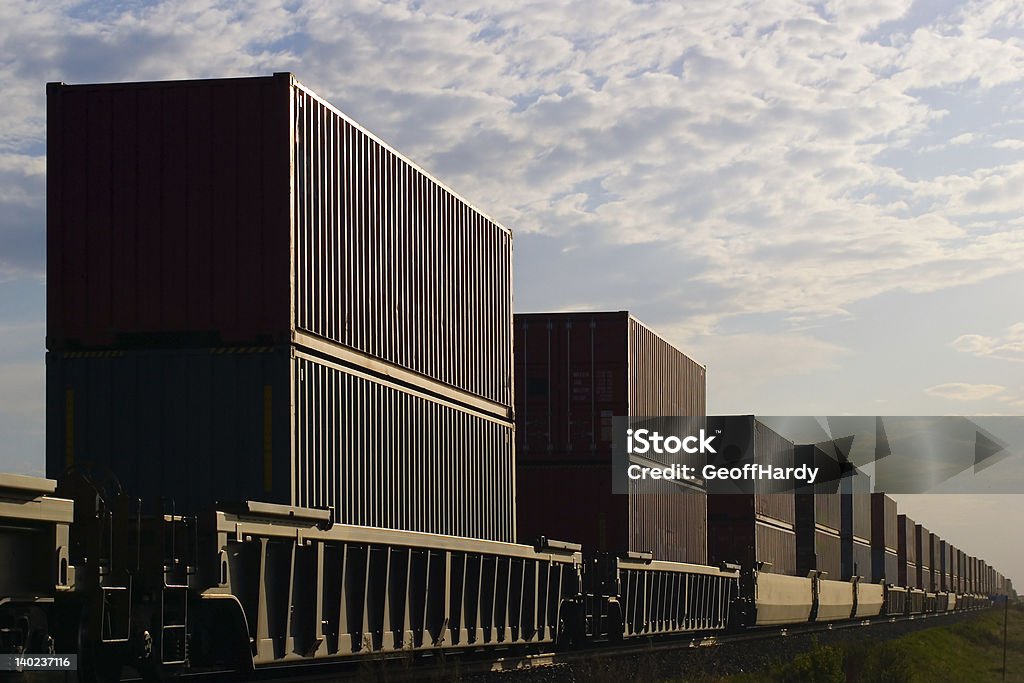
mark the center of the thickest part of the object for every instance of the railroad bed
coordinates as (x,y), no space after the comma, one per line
(651,659)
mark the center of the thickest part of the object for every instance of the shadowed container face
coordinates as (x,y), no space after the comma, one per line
(906,552)
(817,519)
(574,373)
(280,425)
(923,547)
(884,539)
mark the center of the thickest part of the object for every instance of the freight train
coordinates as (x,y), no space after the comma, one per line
(255,585)
(295,347)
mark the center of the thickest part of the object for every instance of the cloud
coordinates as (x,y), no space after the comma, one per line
(751,142)
(1009,346)
(961,391)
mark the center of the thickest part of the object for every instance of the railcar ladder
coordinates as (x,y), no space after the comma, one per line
(174,624)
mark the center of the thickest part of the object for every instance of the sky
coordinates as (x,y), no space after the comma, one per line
(821,201)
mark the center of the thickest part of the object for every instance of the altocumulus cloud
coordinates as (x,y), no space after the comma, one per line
(777,148)
(1008,346)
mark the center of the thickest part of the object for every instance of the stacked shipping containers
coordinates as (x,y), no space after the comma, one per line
(884,539)
(759,528)
(906,552)
(818,518)
(575,372)
(923,548)
(250,296)
(943,582)
(856,526)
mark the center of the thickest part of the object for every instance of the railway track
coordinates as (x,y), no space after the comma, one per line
(483,665)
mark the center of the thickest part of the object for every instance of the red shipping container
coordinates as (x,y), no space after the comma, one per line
(251,212)
(575,372)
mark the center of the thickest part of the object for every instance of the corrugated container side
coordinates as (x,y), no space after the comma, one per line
(259,424)
(773,449)
(167,213)
(943,565)
(889,569)
(393,264)
(906,551)
(778,546)
(818,550)
(668,520)
(935,561)
(883,517)
(663,380)
(383,456)
(572,378)
(824,507)
(856,559)
(856,506)
(747,542)
(575,372)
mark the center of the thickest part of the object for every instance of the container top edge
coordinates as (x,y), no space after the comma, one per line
(170,83)
(295,83)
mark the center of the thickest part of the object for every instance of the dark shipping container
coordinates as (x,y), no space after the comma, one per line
(752,543)
(906,552)
(818,518)
(574,373)
(821,504)
(884,539)
(856,507)
(855,532)
(818,550)
(922,546)
(769,448)
(251,212)
(667,522)
(282,426)
(935,562)
(857,561)
(760,527)
(943,566)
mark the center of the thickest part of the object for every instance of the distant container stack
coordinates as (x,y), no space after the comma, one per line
(856,526)
(923,548)
(906,552)
(935,550)
(756,529)
(251,295)
(818,519)
(574,373)
(884,540)
(943,580)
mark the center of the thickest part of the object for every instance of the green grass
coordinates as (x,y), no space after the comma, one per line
(967,651)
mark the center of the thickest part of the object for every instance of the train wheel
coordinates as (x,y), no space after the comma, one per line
(97,662)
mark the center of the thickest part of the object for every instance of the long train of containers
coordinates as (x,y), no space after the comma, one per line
(250,296)
(574,372)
